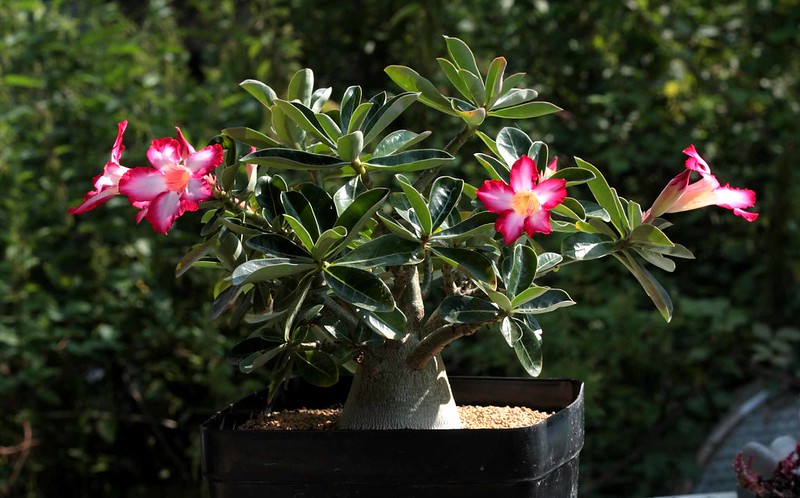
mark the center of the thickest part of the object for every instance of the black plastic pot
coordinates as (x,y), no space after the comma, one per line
(540,461)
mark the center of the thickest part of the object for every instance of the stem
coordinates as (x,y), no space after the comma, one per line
(435,342)
(412,303)
(427,277)
(447,280)
(423,182)
(234,205)
(340,311)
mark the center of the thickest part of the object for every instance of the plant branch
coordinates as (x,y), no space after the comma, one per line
(435,342)
(427,277)
(412,304)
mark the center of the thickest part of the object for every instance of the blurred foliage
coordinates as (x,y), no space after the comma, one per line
(112,363)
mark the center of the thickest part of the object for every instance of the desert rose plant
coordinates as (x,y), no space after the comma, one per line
(345,246)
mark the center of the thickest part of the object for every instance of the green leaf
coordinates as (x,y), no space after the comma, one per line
(514,97)
(676,251)
(268,194)
(286,129)
(574,176)
(301,87)
(494,80)
(451,72)
(298,207)
(635,215)
(250,137)
(410,161)
(359,288)
(259,270)
(350,146)
(305,119)
(445,193)
(410,81)
(467,309)
(501,300)
(347,193)
(470,262)
(586,246)
(497,169)
(529,349)
(251,345)
(418,204)
(387,250)
(319,98)
(550,300)
(256,360)
(519,269)
(321,204)
(350,101)
(488,141)
(512,81)
(528,295)
(398,141)
(387,113)
(513,143)
(525,111)
(329,126)
(477,91)
(260,91)
(398,229)
(606,197)
(539,152)
(359,115)
(656,259)
(650,285)
(317,368)
(511,331)
(546,261)
(594,210)
(472,116)
(649,235)
(461,55)
(197,253)
(403,207)
(360,211)
(328,241)
(470,226)
(276,246)
(389,324)
(294,160)
(570,208)
(301,232)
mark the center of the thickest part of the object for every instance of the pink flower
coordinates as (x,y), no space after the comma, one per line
(679,195)
(177,184)
(525,203)
(106,185)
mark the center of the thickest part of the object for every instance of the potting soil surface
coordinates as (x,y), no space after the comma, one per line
(472,417)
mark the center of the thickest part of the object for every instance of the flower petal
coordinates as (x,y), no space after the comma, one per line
(142,184)
(496,196)
(197,190)
(695,162)
(186,147)
(204,161)
(163,211)
(112,172)
(734,198)
(669,196)
(697,195)
(538,222)
(116,151)
(745,214)
(93,199)
(523,174)
(164,152)
(551,193)
(510,224)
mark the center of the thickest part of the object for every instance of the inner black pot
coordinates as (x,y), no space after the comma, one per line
(540,461)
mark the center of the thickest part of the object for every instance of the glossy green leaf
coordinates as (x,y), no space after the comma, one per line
(634,214)
(403,207)
(512,143)
(305,119)
(294,160)
(525,111)
(329,126)
(467,309)
(359,116)
(676,251)
(350,146)
(259,270)
(246,347)
(398,229)
(278,246)
(301,87)
(328,242)
(529,349)
(319,98)
(528,295)
(488,142)
(606,197)
(594,210)
(655,259)
(300,231)
(410,81)
(548,301)
(571,209)
(451,72)
(398,141)
(260,91)
(386,250)
(519,269)
(298,207)
(350,101)
(418,203)
(472,116)
(250,137)
(539,153)
(359,288)
(496,168)
(389,324)
(511,331)
(477,91)
(317,368)
(483,220)
(546,261)
(410,160)
(501,300)
(514,97)
(360,211)
(321,203)
(650,236)
(494,80)
(268,195)
(445,193)
(259,359)
(347,193)
(461,55)
(574,176)
(387,113)
(586,246)
(651,286)
(197,253)
(236,225)
(470,262)
(511,82)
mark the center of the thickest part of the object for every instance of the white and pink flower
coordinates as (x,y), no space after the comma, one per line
(178,181)
(106,185)
(525,203)
(679,195)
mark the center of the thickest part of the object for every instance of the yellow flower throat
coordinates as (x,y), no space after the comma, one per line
(525,203)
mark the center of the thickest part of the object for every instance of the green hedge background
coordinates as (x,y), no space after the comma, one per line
(108,364)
